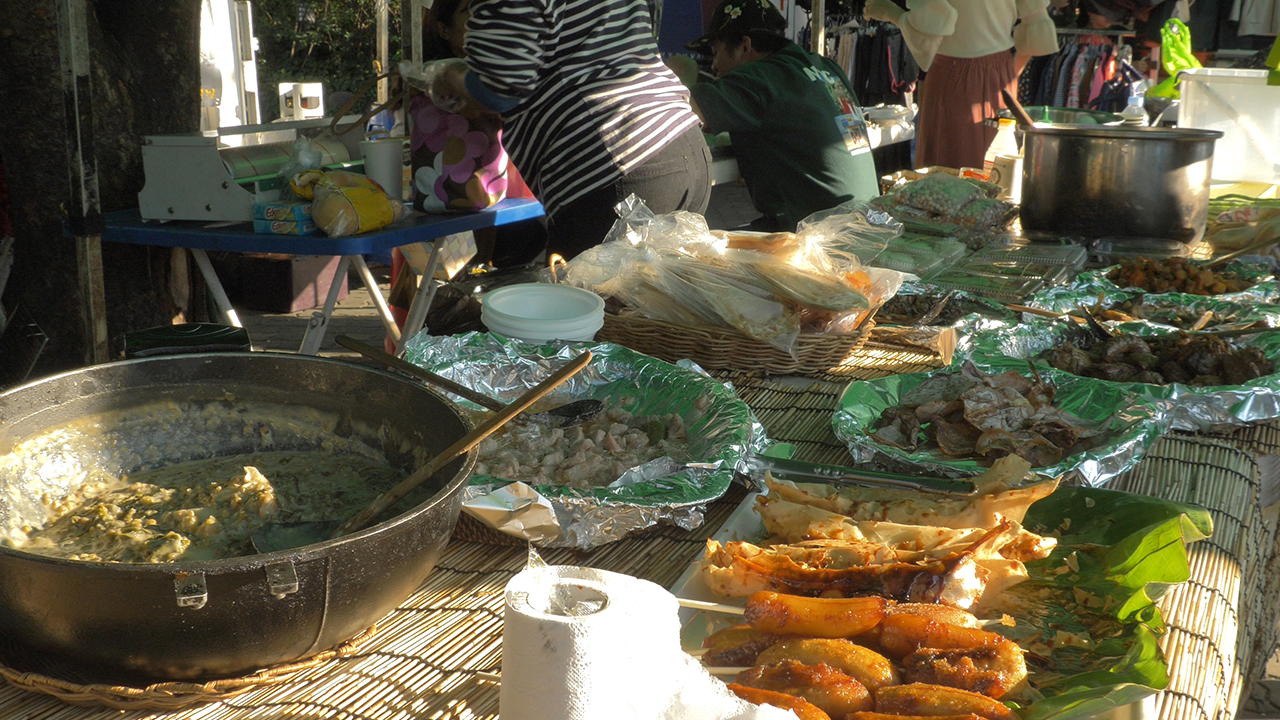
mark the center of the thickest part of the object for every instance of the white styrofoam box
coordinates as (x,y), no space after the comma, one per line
(1242,105)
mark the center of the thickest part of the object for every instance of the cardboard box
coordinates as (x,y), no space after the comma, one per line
(284,227)
(277,283)
(294,211)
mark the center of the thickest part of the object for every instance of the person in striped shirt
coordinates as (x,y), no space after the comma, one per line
(590,113)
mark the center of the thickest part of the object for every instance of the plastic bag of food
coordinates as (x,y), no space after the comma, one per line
(985,213)
(638,225)
(346,203)
(847,236)
(939,193)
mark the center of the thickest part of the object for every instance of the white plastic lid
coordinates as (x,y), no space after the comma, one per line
(542,304)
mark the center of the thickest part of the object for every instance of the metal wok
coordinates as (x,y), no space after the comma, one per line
(141,623)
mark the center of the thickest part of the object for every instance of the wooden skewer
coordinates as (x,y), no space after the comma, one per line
(1041,313)
(1202,321)
(491,677)
(726,670)
(713,607)
(697,652)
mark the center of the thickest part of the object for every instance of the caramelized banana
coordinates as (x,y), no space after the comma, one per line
(813,617)
(830,690)
(736,646)
(803,709)
(903,634)
(922,699)
(866,666)
(942,613)
(995,670)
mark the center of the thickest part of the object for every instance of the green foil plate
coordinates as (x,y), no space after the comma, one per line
(1132,424)
(1210,408)
(1087,287)
(720,427)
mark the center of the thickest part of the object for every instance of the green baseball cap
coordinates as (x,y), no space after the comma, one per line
(740,16)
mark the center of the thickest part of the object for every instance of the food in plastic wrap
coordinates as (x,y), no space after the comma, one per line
(346,203)
(1198,360)
(769,287)
(1175,274)
(939,193)
(972,414)
(985,213)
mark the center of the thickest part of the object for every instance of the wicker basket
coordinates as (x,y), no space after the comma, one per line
(719,348)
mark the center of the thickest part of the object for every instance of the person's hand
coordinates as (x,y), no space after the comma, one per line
(684,67)
(882,10)
(448,88)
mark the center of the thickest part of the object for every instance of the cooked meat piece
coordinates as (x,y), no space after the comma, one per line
(898,428)
(802,708)
(736,646)
(1002,408)
(1069,358)
(996,443)
(955,439)
(1146,361)
(1121,345)
(945,387)
(1011,379)
(1206,380)
(1041,395)
(1149,376)
(1118,372)
(931,411)
(1201,360)
(1175,373)
(832,691)
(1038,451)
(1238,368)
(925,699)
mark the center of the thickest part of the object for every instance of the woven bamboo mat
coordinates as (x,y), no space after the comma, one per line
(424,659)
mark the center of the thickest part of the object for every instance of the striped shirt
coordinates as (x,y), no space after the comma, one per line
(594,100)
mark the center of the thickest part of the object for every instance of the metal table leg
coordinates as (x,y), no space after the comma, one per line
(320,321)
(215,286)
(421,299)
(388,320)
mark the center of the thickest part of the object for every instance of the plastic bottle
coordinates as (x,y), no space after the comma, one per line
(1134,113)
(1005,143)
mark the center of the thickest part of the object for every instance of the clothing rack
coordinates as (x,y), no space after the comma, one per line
(1119,35)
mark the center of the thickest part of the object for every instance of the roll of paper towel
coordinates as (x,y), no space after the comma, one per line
(384,164)
(585,644)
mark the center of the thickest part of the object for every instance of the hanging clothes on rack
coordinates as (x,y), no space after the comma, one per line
(1072,77)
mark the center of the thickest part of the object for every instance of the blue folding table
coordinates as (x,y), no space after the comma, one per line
(127,226)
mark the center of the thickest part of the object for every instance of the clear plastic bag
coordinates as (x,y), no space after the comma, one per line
(346,203)
(424,76)
(303,156)
(849,235)
(939,193)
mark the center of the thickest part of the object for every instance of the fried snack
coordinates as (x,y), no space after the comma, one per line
(1000,496)
(994,670)
(923,699)
(803,709)
(739,569)
(813,617)
(736,646)
(866,666)
(887,716)
(904,633)
(832,691)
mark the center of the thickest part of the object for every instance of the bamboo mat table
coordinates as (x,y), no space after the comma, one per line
(428,658)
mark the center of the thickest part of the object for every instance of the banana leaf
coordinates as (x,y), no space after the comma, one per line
(1117,554)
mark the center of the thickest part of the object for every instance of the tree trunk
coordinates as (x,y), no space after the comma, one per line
(145,80)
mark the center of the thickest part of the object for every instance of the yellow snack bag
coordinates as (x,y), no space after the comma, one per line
(346,203)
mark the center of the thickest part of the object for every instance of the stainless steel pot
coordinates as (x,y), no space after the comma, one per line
(1117,181)
(139,623)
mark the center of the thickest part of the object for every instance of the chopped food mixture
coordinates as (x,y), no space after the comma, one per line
(1176,274)
(585,456)
(203,509)
(1200,360)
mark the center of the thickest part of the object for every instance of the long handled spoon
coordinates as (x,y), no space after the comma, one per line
(282,536)
(567,415)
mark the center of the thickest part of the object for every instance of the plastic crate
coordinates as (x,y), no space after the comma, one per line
(1246,109)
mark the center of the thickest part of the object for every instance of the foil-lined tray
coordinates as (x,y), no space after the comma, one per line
(1093,286)
(1209,408)
(1131,422)
(720,427)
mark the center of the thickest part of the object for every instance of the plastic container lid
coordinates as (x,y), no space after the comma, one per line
(539,312)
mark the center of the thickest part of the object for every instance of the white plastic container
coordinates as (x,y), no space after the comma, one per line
(1246,109)
(538,312)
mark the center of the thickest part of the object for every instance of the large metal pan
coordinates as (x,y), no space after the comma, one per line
(136,623)
(1117,181)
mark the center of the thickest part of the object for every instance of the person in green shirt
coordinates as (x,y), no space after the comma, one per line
(797,131)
